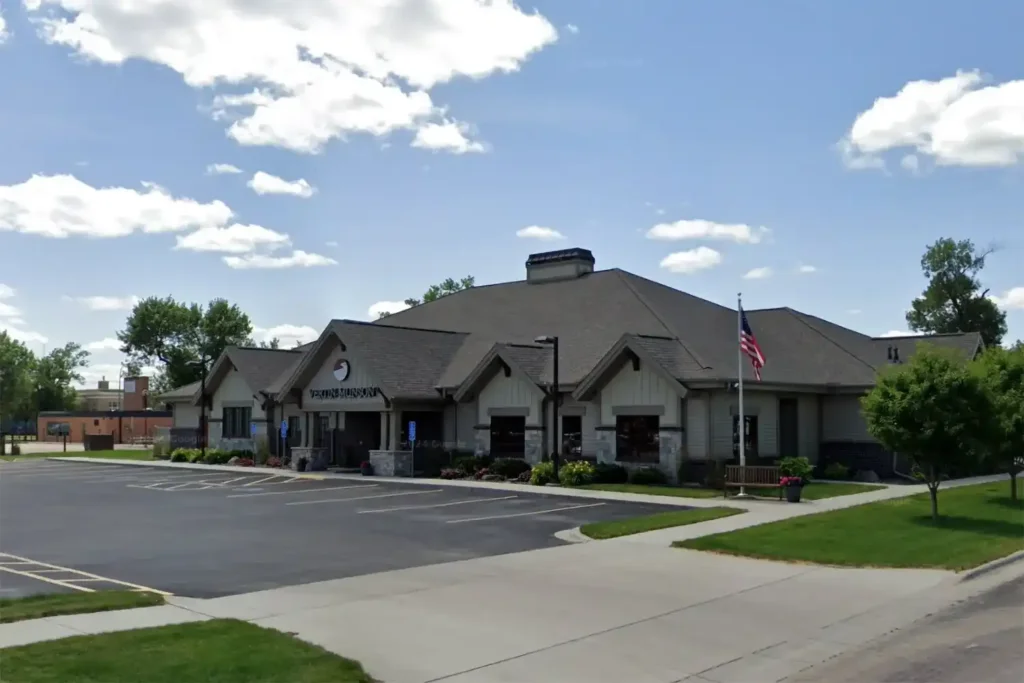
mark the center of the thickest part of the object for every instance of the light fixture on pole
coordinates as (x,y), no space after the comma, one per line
(201,364)
(556,450)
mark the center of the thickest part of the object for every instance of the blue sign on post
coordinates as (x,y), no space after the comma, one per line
(284,429)
(412,431)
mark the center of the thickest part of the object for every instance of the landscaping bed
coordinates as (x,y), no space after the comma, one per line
(218,651)
(978,524)
(52,605)
(661,520)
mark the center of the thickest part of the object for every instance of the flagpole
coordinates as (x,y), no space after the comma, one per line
(742,426)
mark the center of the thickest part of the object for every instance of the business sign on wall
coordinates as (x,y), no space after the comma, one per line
(341,371)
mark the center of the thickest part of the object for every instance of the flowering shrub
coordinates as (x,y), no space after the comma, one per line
(578,473)
(452,473)
(509,467)
(245,462)
(524,477)
(274,461)
(480,474)
(542,473)
(791,481)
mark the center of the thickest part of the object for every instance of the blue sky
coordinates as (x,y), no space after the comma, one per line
(429,132)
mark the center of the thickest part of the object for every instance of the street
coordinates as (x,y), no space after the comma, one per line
(981,639)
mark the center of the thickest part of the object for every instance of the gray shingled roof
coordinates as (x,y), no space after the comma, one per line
(407,362)
(183,393)
(261,367)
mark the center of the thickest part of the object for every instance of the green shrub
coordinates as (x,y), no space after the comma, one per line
(648,476)
(510,468)
(184,454)
(610,473)
(262,450)
(471,464)
(795,467)
(836,470)
(576,473)
(714,475)
(542,473)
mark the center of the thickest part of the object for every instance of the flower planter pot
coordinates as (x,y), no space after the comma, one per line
(793,493)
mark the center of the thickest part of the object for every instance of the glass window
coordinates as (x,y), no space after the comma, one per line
(750,440)
(508,437)
(636,438)
(572,435)
(236,422)
(294,430)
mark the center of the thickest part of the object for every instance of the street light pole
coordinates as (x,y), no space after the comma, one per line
(556,451)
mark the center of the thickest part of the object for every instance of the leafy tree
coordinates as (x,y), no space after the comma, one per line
(274,343)
(954,300)
(179,334)
(435,292)
(17,368)
(933,409)
(1003,372)
(56,373)
(132,368)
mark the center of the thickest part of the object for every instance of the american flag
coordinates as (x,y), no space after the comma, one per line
(749,346)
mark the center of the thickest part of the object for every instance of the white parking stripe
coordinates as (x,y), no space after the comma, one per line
(437,505)
(281,493)
(287,479)
(523,514)
(346,500)
(46,580)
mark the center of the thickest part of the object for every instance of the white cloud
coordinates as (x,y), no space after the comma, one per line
(957,121)
(23,335)
(63,206)
(691,261)
(572,28)
(911,163)
(758,273)
(106,303)
(1012,300)
(264,183)
(297,259)
(289,336)
(234,239)
(319,70)
(806,269)
(107,344)
(7,310)
(447,136)
(380,307)
(3,27)
(536,232)
(699,229)
(222,169)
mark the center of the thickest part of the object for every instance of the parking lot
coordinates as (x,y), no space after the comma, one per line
(82,526)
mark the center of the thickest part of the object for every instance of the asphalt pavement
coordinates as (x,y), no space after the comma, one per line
(210,534)
(980,640)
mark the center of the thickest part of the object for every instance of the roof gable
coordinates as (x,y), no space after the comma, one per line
(511,359)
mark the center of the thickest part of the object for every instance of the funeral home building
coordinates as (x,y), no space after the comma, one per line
(646,375)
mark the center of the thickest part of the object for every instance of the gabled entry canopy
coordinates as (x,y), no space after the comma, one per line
(404,363)
(634,350)
(507,359)
(258,367)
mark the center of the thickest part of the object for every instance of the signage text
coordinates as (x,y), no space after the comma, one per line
(338,393)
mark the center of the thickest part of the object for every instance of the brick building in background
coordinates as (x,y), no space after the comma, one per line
(133,422)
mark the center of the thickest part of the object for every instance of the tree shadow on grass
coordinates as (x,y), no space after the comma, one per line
(989,527)
(1007,503)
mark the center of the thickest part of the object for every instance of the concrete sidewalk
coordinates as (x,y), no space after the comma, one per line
(586,613)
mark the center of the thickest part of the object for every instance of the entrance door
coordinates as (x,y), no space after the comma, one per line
(789,428)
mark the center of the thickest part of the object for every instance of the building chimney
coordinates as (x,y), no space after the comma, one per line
(565,264)
(104,385)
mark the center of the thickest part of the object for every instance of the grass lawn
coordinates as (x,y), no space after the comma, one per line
(122,455)
(811,491)
(218,651)
(39,606)
(978,524)
(661,520)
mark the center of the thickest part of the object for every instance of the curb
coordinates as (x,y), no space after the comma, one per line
(573,535)
(992,566)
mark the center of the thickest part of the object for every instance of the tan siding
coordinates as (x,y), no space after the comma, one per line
(358,377)
(842,420)
(509,392)
(696,425)
(643,387)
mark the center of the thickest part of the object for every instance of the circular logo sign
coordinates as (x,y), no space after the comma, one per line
(341,369)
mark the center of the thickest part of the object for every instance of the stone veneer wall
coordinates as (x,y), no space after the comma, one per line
(534,449)
(392,463)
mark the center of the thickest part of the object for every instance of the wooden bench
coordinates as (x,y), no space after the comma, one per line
(752,476)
